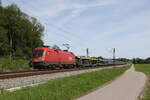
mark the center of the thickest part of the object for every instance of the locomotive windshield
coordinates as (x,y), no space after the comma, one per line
(38,53)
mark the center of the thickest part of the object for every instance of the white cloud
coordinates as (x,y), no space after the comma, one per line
(121,23)
(79,8)
(53,8)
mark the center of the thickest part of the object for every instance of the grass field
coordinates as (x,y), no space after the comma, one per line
(146,69)
(13,65)
(65,88)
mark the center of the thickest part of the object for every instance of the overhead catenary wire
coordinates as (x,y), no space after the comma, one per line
(64,31)
(78,40)
(67,36)
(56,27)
(58,35)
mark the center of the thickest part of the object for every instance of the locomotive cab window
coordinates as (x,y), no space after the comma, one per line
(38,53)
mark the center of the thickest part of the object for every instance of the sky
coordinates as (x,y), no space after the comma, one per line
(99,25)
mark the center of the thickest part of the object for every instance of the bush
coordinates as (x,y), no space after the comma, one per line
(7,64)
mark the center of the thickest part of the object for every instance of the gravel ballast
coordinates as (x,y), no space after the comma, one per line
(27,81)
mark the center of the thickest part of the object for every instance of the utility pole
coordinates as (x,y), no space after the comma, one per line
(87,52)
(114,55)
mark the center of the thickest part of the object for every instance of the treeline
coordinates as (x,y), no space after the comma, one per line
(124,59)
(19,33)
(141,61)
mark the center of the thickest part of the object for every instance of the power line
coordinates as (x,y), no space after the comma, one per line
(69,33)
(61,29)
(55,26)
(64,30)
(64,35)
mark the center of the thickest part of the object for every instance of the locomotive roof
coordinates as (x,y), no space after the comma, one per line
(47,48)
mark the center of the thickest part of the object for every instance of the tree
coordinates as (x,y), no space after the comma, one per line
(147,60)
(123,59)
(19,33)
(100,57)
(138,61)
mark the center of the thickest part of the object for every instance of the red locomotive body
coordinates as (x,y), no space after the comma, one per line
(47,57)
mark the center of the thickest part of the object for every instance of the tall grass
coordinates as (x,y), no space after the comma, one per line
(146,69)
(65,88)
(13,65)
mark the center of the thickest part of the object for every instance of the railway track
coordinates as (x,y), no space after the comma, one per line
(10,75)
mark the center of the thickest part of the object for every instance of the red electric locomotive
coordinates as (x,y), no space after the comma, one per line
(44,57)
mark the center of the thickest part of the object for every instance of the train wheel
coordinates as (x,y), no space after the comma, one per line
(52,67)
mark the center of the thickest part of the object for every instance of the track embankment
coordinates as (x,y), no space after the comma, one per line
(126,87)
(37,78)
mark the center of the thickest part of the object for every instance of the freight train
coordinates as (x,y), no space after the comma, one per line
(48,58)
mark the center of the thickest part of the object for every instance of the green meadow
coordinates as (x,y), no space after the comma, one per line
(146,69)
